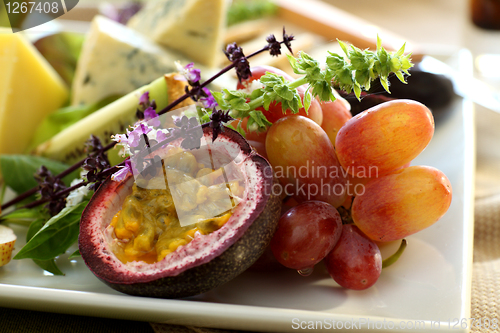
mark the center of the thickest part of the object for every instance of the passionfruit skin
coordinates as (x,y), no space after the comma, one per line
(205,263)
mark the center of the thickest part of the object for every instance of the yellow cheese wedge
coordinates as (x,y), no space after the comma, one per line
(29,90)
(193,27)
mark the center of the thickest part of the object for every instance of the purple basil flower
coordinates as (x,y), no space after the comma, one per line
(121,174)
(209,101)
(144,99)
(134,137)
(160,136)
(192,74)
(152,117)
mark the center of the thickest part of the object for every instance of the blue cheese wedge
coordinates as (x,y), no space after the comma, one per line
(195,28)
(116,60)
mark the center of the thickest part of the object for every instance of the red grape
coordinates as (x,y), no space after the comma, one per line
(355,262)
(306,234)
(384,138)
(304,161)
(402,203)
(335,115)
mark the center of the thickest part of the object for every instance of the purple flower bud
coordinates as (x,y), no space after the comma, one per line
(190,73)
(151,117)
(160,136)
(209,101)
(144,99)
(121,174)
(134,137)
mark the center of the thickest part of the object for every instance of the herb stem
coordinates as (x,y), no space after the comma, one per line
(112,144)
(259,101)
(60,193)
(207,82)
(297,83)
(63,174)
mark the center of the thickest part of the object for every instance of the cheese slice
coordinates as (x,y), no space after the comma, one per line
(194,27)
(116,60)
(30,89)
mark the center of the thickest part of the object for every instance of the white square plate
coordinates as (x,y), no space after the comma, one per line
(428,288)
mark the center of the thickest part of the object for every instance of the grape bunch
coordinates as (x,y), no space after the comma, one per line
(359,166)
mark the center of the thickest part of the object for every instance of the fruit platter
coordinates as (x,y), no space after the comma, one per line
(232,166)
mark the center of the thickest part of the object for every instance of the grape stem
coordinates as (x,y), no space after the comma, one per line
(392,259)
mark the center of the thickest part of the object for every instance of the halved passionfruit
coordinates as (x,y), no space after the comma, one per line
(201,219)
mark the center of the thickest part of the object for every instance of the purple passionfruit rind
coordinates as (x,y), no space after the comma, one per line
(205,262)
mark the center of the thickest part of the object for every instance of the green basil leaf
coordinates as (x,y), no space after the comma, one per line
(75,254)
(295,104)
(18,170)
(256,93)
(307,101)
(323,90)
(56,236)
(23,216)
(236,93)
(269,80)
(219,98)
(2,192)
(294,64)
(284,92)
(49,266)
(241,130)
(239,103)
(259,118)
(268,99)
(34,228)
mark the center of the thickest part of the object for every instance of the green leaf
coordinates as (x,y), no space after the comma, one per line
(63,118)
(56,236)
(307,100)
(385,83)
(401,77)
(269,80)
(294,105)
(323,90)
(283,91)
(34,227)
(18,170)
(256,93)
(236,100)
(239,104)
(2,192)
(357,92)
(259,118)
(293,63)
(219,98)
(75,255)
(238,128)
(48,265)
(268,99)
(23,216)
(343,46)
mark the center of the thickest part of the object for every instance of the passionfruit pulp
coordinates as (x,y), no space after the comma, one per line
(227,245)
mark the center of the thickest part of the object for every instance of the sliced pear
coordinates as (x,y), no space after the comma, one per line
(68,145)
